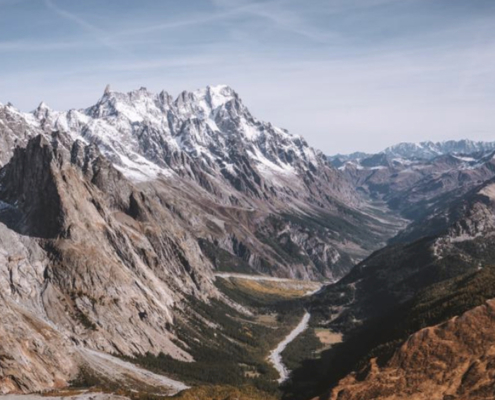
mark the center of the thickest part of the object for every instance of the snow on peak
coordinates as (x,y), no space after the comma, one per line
(43,106)
(204,102)
(219,95)
(428,150)
(146,134)
(43,111)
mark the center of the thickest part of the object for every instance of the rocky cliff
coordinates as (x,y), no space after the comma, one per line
(91,262)
(453,360)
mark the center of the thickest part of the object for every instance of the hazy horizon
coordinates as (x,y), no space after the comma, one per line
(346,75)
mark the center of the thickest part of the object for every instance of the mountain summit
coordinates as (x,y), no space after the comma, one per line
(208,148)
(148,135)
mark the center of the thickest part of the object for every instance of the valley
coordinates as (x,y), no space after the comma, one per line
(247,200)
(154,247)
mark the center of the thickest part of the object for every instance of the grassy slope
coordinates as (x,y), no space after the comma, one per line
(446,291)
(234,353)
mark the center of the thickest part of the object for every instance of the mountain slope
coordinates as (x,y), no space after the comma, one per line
(452,360)
(103,266)
(397,291)
(299,216)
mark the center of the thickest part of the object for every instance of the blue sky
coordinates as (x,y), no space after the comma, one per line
(345,74)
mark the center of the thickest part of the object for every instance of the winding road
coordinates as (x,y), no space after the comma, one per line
(226,275)
(275,356)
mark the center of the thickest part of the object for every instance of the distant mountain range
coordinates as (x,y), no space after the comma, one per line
(414,178)
(420,151)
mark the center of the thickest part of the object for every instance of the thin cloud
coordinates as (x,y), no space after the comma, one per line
(338,72)
(200,19)
(272,11)
(97,33)
(30,46)
(279,14)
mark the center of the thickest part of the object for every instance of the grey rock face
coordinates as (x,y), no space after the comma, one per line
(15,130)
(99,265)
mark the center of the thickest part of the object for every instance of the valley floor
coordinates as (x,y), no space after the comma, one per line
(255,359)
(276,354)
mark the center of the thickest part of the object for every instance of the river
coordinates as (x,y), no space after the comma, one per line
(275,356)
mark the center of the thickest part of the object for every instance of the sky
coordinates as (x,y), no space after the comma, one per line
(348,75)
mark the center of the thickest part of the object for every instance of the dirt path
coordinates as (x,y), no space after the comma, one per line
(121,370)
(313,286)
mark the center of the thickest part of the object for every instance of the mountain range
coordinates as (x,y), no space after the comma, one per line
(147,239)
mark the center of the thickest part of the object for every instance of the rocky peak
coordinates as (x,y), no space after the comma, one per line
(28,184)
(42,111)
(216,96)
(15,130)
(147,135)
(205,103)
(131,105)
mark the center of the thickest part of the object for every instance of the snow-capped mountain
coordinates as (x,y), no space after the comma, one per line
(419,151)
(114,220)
(209,151)
(207,135)
(429,150)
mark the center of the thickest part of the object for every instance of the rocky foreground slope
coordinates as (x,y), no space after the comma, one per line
(86,268)
(453,360)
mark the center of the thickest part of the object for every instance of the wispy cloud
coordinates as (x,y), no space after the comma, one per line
(97,33)
(272,11)
(277,13)
(194,20)
(338,72)
(39,46)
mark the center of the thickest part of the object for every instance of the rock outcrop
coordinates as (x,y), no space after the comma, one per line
(99,265)
(453,360)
